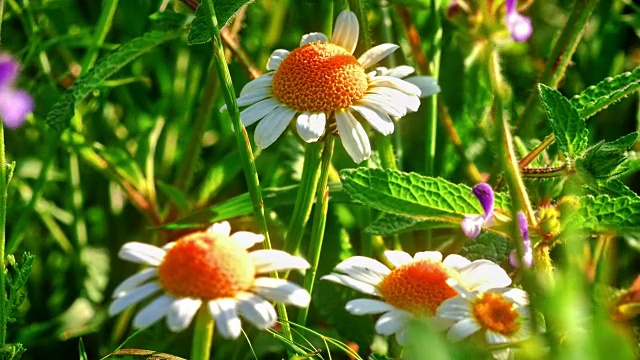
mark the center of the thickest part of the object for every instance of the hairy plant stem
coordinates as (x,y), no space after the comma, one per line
(246,152)
(3,222)
(319,222)
(202,335)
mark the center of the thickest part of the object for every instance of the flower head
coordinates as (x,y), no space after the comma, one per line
(472,224)
(519,26)
(527,258)
(414,288)
(320,81)
(211,268)
(15,104)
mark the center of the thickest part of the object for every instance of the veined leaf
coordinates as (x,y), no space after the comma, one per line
(392,224)
(225,11)
(569,128)
(488,246)
(605,160)
(598,97)
(604,213)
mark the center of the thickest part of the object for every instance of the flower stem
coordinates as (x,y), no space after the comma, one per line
(202,335)
(319,222)
(432,102)
(3,222)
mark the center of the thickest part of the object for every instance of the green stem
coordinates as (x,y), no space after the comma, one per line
(104,24)
(3,220)
(319,222)
(304,199)
(202,335)
(432,102)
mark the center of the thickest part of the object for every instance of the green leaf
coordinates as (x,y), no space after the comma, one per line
(613,188)
(392,224)
(59,117)
(225,12)
(413,195)
(122,163)
(569,128)
(598,97)
(488,246)
(604,159)
(603,213)
(175,195)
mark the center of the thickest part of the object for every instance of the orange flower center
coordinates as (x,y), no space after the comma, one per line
(419,287)
(319,77)
(205,266)
(496,313)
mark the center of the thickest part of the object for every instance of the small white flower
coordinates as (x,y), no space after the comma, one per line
(211,268)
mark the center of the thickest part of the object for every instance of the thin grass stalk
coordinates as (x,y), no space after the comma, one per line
(432,102)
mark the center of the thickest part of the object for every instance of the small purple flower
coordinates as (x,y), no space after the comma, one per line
(519,26)
(472,224)
(15,104)
(527,258)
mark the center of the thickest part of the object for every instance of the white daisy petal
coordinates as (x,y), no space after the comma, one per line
(258,111)
(375,54)
(514,295)
(153,312)
(247,239)
(227,320)
(134,281)
(367,306)
(352,283)
(257,310)
(354,137)
(456,308)
(364,269)
(141,253)
(435,256)
(222,229)
(311,126)
(272,126)
(392,322)
(379,120)
(398,71)
(495,338)
(482,275)
(456,261)
(254,97)
(397,257)
(428,86)
(409,102)
(463,329)
(372,100)
(275,260)
(346,31)
(181,313)
(282,291)
(313,37)
(276,58)
(395,83)
(260,83)
(132,297)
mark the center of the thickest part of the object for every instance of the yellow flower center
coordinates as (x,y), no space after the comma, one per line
(205,266)
(496,313)
(419,287)
(319,77)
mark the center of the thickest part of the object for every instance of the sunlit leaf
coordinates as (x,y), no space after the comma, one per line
(598,97)
(569,128)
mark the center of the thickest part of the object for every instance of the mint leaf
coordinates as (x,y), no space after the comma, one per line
(604,159)
(569,128)
(392,224)
(488,246)
(605,213)
(598,97)
(225,12)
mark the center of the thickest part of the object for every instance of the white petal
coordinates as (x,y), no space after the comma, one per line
(134,281)
(472,225)
(276,260)
(276,58)
(495,338)
(254,97)
(262,82)
(456,261)
(409,102)
(227,320)
(257,310)
(282,291)
(516,296)
(153,312)
(379,120)
(247,239)
(482,275)
(311,126)
(462,329)
(456,308)
(354,138)
(222,229)
(383,102)
(395,83)
(367,306)
(346,31)
(272,126)
(397,257)
(313,37)
(427,85)
(141,253)
(133,297)
(392,322)
(258,111)
(375,54)
(352,283)
(434,256)
(364,269)
(398,71)
(181,313)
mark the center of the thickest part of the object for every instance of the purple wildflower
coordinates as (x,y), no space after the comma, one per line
(15,104)
(519,26)
(472,224)
(527,258)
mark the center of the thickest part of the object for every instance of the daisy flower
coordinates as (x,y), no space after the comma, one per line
(414,288)
(472,224)
(501,314)
(15,104)
(320,81)
(210,268)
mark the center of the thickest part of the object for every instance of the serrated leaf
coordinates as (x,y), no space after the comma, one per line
(488,246)
(604,159)
(604,213)
(613,188)
(413,195)
(569,128)
(60,115)
(598,97)
(225,12)
(392,224)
